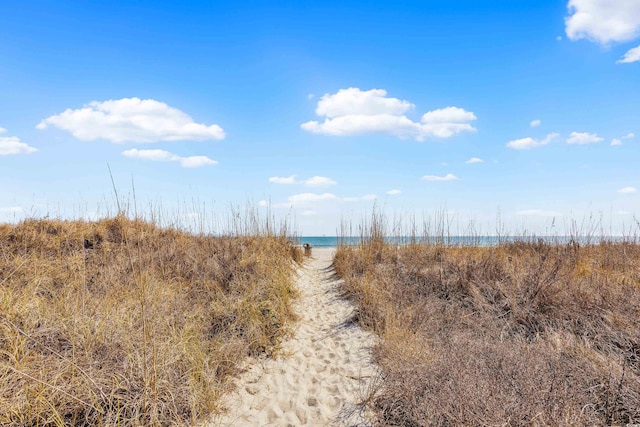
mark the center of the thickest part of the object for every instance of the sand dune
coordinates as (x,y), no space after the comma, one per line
(324,372)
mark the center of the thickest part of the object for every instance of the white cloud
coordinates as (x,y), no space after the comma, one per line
(309,213)
(623,212)
(369,197)
(319,181)
(474,160)
(618,141)
(283,180)
(535,123)
(2,130)
(581,138)
(133,120)
(355,112)
(10,145)
(350,125)
(632,55)
(394,192)
(196,162)
(263,203)
(529,143)
(306,198)
(603,21)
(165,156)
(627,190)
(446,122)
(447,177)
(353,101)
(538,212)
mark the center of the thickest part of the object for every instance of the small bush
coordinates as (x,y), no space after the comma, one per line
(525,333)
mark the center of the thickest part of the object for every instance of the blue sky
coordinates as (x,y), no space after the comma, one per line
(317,110)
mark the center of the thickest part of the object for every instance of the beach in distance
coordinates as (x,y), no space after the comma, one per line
(335,241)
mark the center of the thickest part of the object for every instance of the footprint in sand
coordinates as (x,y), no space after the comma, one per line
(310,386)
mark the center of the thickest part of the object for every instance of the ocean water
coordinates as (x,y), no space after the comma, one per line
(333,241)
(320,241)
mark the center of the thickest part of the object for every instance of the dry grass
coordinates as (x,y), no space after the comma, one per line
(526,333)
(119,322)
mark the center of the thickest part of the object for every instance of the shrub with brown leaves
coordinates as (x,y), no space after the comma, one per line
(524,333)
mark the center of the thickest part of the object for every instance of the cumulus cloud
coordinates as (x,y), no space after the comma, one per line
(535,123)
(394,192)
(263,203)
(603,21)
(369,197)
(355,101)
(399,126)
(474,160)
(446,122)
(2,130)
(627,190)
(319,181)
(538,212)
(165,156)
(306,198)
(283,180)
(10,145)
(582,138)
(355,112)
(632,55)
(436,178)
(529,143)
(192,162)
(618,141)
(131,120)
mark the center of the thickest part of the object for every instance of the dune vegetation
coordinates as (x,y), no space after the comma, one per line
(526,332)
(122,322)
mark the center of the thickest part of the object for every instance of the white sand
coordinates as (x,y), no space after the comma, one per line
(324,372)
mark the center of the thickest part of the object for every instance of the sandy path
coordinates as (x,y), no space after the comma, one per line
(324,372)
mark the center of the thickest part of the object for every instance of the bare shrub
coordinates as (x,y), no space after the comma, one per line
(523,333)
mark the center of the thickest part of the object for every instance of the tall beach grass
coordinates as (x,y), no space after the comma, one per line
(121,321)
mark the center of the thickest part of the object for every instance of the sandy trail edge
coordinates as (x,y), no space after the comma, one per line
(326,369)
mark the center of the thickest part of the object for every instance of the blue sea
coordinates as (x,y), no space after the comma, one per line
(334,241)
(322,241)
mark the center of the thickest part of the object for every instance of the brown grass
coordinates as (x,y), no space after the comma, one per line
(525,333)
(119,322)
